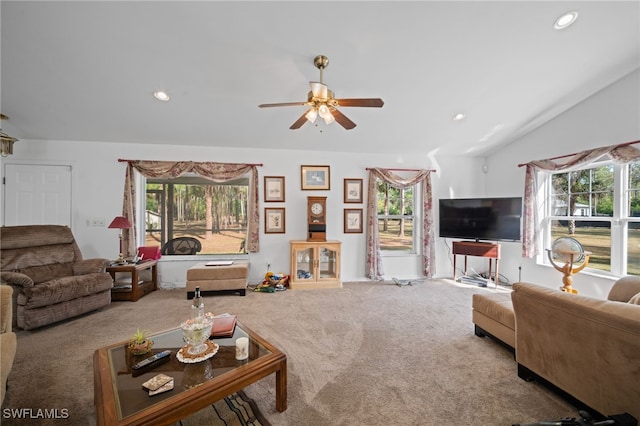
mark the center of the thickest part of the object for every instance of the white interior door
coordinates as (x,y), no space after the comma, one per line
(37,194)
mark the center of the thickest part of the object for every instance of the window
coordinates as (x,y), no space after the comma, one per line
(396,218)
(599,206)
(192,206)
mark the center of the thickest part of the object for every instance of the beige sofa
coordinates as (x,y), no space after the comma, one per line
(8,341)
(50,279)
(588,348)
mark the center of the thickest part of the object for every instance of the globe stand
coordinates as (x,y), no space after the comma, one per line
(568,268)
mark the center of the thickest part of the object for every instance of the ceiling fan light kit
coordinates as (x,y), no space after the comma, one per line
(322,102)
(6,141)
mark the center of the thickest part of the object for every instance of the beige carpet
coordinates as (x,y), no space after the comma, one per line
(365,354)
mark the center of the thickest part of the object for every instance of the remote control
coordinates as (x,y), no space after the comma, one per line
(151,359)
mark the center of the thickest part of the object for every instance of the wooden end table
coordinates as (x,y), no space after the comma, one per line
(138,287)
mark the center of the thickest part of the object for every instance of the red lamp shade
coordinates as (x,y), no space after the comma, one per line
(120,222)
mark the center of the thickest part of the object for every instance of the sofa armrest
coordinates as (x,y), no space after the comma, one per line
(16,278)
(90,266)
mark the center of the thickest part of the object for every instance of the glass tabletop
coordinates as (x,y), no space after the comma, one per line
(131,397)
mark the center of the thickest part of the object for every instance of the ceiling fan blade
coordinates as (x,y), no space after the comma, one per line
(299,122)
(342,119)
(282,104)
(361,102)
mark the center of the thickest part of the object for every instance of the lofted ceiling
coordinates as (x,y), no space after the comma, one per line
(86,70)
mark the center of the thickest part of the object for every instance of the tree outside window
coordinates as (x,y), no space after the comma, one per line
(191,206)
(396,218)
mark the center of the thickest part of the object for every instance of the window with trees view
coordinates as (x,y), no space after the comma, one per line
(192,206)
(396,219)
(600,207)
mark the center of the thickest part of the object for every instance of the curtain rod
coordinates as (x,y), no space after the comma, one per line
(123,160)
(571,155)
(402,170)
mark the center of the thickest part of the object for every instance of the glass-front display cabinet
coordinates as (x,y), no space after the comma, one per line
(315,264)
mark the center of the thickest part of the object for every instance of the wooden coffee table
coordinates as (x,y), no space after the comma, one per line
(120,398)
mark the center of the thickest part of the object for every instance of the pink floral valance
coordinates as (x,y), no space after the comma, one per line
(219,172)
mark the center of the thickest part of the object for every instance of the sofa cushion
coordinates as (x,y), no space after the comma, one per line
(41,263)
(14,237)
(90,266)
(200,271)
(625,288)
(64,289)
(635,299)
(497,306)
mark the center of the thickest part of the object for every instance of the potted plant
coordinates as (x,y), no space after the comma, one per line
(139,344)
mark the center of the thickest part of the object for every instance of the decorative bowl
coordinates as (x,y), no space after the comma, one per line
(195,333)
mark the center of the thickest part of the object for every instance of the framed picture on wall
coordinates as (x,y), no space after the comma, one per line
(274,189)
(315,177)
(353,221)
(274,220)
(353,190)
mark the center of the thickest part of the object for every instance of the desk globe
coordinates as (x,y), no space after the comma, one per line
(570,253)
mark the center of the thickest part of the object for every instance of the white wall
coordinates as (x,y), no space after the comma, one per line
(98,182)
(609,117)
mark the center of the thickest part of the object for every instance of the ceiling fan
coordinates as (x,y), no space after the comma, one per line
(322,102)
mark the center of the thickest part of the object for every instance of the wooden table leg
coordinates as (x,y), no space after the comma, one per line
(281,387)
(490,264)
(135,294)
(454,266)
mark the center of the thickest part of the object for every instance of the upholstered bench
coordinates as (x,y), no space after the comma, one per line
(493,316)
(230,278)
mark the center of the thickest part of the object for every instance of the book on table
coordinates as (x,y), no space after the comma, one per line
(223,326)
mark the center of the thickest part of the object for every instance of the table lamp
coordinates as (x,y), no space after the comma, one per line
(120,222)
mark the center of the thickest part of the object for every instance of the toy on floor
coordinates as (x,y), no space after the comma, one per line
(273,282)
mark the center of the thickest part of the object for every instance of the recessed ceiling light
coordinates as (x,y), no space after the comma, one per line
(459,116)
(565,20)
(161,95)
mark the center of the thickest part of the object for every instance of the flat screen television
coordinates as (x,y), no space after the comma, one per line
(492,219)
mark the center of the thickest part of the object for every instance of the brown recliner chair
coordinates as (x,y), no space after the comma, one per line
(50,279)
